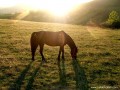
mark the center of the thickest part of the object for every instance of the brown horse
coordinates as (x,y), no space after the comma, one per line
(52,39)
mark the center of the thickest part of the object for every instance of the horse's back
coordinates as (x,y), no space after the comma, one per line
(52,38)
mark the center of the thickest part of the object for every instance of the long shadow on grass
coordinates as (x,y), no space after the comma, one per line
(18,82)
(62,73)
(31,80)
(80,77)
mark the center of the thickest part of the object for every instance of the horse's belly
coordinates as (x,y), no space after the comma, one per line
(54,39)
(51,43)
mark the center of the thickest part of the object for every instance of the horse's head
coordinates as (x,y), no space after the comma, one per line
(74,53)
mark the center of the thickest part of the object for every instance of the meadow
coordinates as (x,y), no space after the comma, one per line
(97,66)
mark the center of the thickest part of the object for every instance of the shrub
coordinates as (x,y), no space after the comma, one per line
(113,20)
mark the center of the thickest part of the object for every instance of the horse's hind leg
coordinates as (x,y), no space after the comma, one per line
(33,49)
(41,52)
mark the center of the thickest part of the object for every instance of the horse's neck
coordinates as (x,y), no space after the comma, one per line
(70,42)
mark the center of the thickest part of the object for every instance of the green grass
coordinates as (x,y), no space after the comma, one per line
(98,62)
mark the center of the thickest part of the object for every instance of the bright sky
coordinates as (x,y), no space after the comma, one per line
(57,7)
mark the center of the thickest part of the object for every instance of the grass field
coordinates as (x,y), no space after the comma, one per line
(97,66)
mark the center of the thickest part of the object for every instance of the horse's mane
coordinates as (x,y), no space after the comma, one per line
(69,41)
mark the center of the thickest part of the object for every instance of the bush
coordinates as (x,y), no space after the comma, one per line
(113,20)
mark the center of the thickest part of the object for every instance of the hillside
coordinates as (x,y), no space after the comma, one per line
(97,64)
(96,11)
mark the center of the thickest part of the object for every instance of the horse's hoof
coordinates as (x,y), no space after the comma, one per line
(63,58)
(58,63)
(44,61)
(58,59)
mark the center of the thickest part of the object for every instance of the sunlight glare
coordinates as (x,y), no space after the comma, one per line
(6,3)
(55,7)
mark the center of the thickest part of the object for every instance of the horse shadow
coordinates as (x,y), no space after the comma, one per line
(62,74)
(80,77)
(19,81)
(31,80)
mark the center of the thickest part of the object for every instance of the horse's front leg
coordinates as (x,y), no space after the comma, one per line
(41,52)
(63,53)
(61,50)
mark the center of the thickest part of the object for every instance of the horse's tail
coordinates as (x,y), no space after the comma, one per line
(34,44)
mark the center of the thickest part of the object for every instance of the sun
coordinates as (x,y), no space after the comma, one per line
(55,7)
